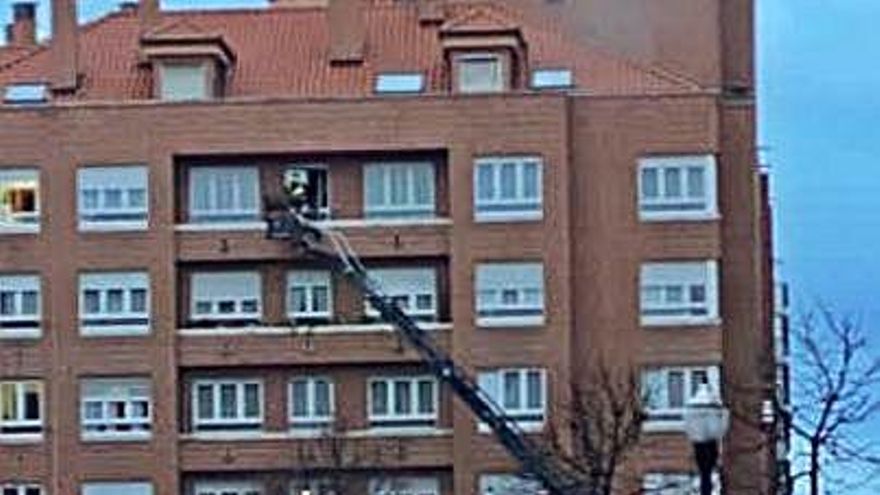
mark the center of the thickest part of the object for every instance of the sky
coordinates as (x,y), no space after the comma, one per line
(819,128)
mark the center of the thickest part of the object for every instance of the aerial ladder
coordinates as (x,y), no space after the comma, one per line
(289,220)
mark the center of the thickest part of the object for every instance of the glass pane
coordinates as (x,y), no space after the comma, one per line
(251,400)
(402,398)
(510,297)
(696,182)
(533,297)
(672,183)
(531,180)
(29,302)
(93,410)
(140,409)
(92,302)
(31,403)
(485,182)
(205,401)
(90,199)
(399,185)
(320,299)
(698,377)
(675,389)
(674,294)
(534,397)
(374,178)
(112,199)
(379,398)
(298,303)
(511,390)
(508,181)
(247,191)
(115,298)
(117,409)
(322,398)
(426,397)
(201,192)
(8,401)
(7,303)
(228,401)
(226,307)
(250,306)
(225,196)
(300,398)
(698,293)
(423,185)
(650,185)
(424,302)
(138,300)
(137,198)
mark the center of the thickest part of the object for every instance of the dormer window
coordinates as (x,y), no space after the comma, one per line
(480,73)
(184,81)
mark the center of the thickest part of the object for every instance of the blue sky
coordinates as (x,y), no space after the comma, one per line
(819,93)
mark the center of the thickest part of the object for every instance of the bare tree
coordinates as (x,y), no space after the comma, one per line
(837,392)
(603,423)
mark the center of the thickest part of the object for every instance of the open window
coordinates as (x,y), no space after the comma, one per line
(314,186)
(19,200)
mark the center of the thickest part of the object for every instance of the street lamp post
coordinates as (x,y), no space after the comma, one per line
(706,421)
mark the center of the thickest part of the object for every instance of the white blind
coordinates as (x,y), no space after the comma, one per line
(226,285)
(117,489)
(184,82)
(402,281)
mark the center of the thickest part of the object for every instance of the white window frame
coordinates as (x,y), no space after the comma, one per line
(309,281)
(117,488)
(528,418)
(405,485)
(21,488)
(521,207)
(107,323)
(508,484)
(312,421)
(239,213)
(677,483)
(406,285)
(663,278)
(21,222)
(214,315)
(231,487)
(131,392)
(683,207)
(23,429)
(394,420)
(488,86)
(101,181)
(491,309)
(18,325)
(240,423)
(410,208)
(165,93)
(655,386)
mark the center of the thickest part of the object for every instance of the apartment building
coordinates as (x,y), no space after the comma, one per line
(537,200)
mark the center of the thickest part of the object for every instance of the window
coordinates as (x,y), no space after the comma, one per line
(402,402)
(311,403)
(552,79)
(26,94)
(521,394)
(508,188)
(20,306)
(508,484)
(480,73)
(399,190)
(667,391)
(224,194)
(414,290)
(184,82)
(21,409)
(117,488)
(677,484)
(227,405)
(402,82)
(21,489)
(679,293)
(226,297)
(314,486)
(677,188)
(228,488)
(309,295)
(112,198)
(405,486)
(510,294)
(19,201)
(314,179)
(115,303)
(116,409)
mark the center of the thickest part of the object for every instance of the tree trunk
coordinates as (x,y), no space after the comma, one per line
(814,467)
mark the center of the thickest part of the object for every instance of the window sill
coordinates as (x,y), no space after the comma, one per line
(511,322)
(103,332)
(21,334)
(109,227)
(523,217)
(304,330)
(662,322)
(19,229)
(290,435)
(663,426)
(116,438)
(390,431)
(679,217)
(24,439)
(530,427)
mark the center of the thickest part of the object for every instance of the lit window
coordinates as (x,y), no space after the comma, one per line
(679,293)
(228,488)
(311,404)
(552,79)
(117,488)
(184,82)
(20,312)
(403,82)
(480,73)
(115,408)
(677,188)
(677,484)
(316,486)
(21,489)
(508,484)
(402,402)
(315,180)
(227,297)
(309,295)
(26,94)
(414,290)
(19,200)
(224,194)
(520,393)
(21,410)
(112,198)
(114,303)
(227,405)
(667,391)
(508,188)
(510,294)
(399,190)
(405,486)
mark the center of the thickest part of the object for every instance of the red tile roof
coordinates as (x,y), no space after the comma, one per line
(285,52)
